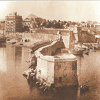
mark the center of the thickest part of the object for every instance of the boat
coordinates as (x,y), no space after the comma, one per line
(86,52)
(2,39)
(77,50)
(84,88)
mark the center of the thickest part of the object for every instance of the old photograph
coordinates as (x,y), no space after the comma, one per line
(49,50)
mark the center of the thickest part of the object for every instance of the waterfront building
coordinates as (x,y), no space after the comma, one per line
(13,23)
(97,27)
(84,35)
(2,24)
(29,22)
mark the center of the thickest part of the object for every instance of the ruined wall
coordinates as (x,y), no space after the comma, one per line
(50,49)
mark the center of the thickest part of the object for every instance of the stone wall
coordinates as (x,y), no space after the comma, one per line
(44,37)
(51,31)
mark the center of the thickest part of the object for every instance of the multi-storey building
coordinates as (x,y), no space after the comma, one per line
(13,23)
(29,23)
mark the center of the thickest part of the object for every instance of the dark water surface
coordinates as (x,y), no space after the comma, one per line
(13,86)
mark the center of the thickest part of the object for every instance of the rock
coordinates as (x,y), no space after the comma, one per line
(26,73)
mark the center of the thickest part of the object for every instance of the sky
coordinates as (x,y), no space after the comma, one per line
(58,10)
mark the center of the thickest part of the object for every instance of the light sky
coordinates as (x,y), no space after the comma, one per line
(59,10)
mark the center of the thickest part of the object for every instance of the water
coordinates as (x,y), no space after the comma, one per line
(13,86)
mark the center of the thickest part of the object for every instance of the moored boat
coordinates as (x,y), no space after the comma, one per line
(2,39)
(77,52)
(84,88)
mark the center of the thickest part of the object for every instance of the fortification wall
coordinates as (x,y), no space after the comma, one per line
(45,62)
(44,37)
(59,70)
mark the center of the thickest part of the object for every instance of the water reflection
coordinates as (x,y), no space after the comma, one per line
(12,83)
(88,73)
(18,56)
(31,84)
(3,66)
(66,93)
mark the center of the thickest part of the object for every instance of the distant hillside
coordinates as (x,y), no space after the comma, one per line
(31,16)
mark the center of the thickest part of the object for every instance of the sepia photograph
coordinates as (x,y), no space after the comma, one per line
(47,50)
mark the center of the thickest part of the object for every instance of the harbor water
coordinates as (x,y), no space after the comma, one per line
(14,86)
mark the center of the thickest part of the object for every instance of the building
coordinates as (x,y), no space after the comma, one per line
(2,24)
(84,35)
(13,23)
(97,27)
(29,22)
(58,70)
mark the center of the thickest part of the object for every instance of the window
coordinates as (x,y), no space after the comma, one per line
(74,66)
(39,71)
(60,79)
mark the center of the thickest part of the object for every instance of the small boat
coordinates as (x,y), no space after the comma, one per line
(84,88)
(2,39)
(21,44)
(13,42)
(86,52)
(92,50)
(77,52)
